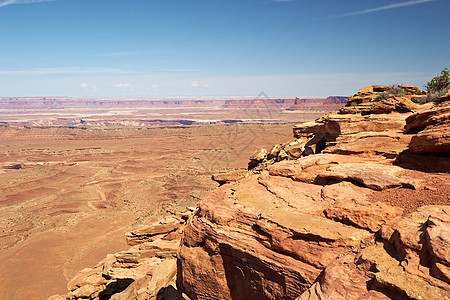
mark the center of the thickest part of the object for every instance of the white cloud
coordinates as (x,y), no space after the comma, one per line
(10,2)
(386,7)
(123,85)
(195,84)
(84,85)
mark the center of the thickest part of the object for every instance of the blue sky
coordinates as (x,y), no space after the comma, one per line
(163,48)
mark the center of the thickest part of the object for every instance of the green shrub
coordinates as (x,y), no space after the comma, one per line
(439,83)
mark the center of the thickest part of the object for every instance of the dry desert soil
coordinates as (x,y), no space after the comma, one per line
(68,195)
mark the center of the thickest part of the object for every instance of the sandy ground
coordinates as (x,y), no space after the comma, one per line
(68,195)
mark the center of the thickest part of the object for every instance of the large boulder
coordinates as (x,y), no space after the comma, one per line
(227,177)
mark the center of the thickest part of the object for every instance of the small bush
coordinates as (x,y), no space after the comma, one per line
(382,96)
(439,83)
(434,96)
(437,87)
(395,90)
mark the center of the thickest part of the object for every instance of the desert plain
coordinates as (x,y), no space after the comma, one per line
(70,192)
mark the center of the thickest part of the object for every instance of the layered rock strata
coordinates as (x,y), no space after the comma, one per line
(354,221)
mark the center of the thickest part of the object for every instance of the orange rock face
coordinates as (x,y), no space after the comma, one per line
(435,130)
(361,220)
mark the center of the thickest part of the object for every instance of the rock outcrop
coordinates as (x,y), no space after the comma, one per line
(434,127)
(377,99)
(145,271)
(345,220)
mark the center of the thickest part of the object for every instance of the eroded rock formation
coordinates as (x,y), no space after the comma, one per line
(350,222)
(145,271)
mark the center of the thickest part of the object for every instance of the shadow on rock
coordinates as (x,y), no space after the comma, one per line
(428,163)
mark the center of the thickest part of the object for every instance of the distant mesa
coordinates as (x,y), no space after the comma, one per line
(68,102)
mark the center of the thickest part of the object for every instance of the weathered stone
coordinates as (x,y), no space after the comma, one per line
(334,125)
(433,116)
(387,143)
(161,282)
(431,140)
(259,155)
(390,275)
(379,94)
(295,148)
(373,176)
(275,221)
(342,280)
(274,151)
(438,243)
(151,232)
(223,178)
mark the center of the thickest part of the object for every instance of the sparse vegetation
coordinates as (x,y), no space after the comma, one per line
(437,87)
(395,91)
(439,83)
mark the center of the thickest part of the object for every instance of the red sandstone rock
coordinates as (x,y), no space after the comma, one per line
(373,176)
(260,225)
(435,136)
(151,232)
(334,125)
(223,178)
(380,93)
(145,271)
(436,115)
(305,219)
(389,144)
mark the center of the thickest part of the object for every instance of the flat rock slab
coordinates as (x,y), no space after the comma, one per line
(374,176)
